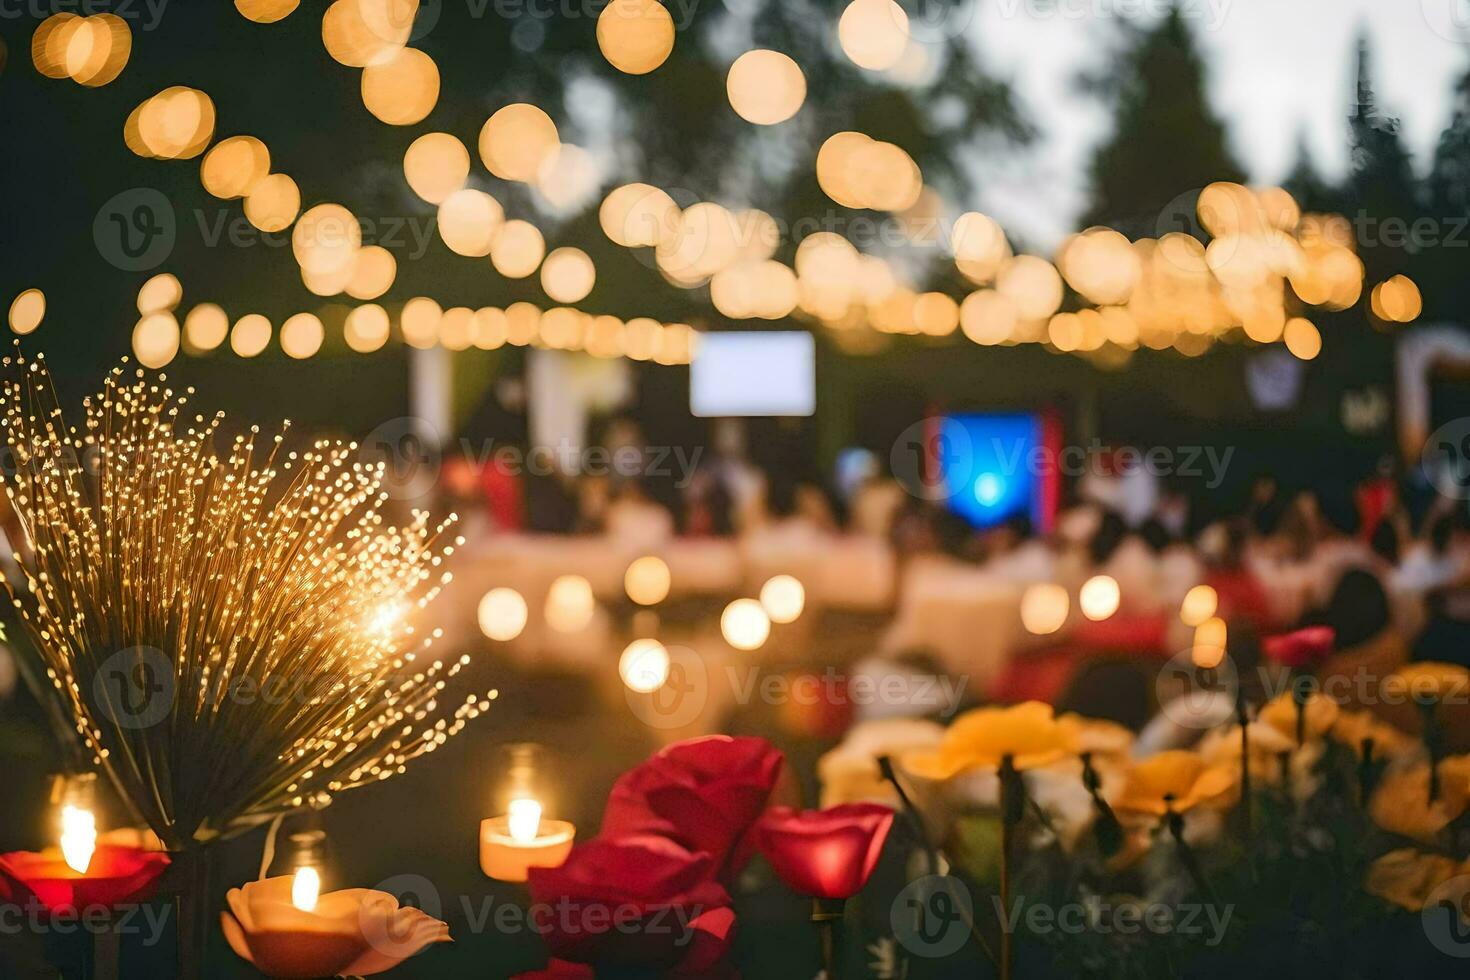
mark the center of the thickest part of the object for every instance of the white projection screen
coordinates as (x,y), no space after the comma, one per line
(754,373)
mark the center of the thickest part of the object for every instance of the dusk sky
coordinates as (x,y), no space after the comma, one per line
(1277,66)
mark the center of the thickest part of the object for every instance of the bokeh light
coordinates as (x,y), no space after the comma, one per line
(644,666)
(783,597)
(647,580)
(636,36)
(568,275)
(502,614)
(765,87)
(745,625)
(1044,608)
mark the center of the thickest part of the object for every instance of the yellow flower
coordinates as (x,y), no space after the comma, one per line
(1280,714)
(1429,680)
(1401,802)
(1408,877)
(1221,747)
(1353,728)
(1101,738)
(1179,780)
(980,739)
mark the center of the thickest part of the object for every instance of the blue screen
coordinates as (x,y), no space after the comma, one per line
(990,466)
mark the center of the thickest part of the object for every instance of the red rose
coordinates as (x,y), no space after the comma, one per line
(1302,648)
(116,876)
(706,793)
(825,853)
(642,901)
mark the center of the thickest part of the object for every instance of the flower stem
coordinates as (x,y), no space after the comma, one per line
(1433,743)
(827,917)
(1247,803)
(931,853)
(1012,802)
(1175,822)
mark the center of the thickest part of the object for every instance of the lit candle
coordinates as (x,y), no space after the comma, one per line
(306,887)
(78,837)
(510,846)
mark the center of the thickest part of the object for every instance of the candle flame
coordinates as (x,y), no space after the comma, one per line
(78,837)
(525,820)
(306,888)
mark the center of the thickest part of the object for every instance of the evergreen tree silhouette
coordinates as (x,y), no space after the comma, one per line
(1167,143)
(1445,288)
(1382,188)
(1306,183)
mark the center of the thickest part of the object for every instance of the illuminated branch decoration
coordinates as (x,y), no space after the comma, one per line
(258,591)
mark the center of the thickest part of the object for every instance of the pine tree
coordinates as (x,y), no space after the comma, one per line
(1382,188)
(1445,289)
(1167,143)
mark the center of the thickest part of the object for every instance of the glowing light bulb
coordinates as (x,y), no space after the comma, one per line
(78,837)
(525,820)
(644,666)
(1099,597)
(306,888)
(783,597)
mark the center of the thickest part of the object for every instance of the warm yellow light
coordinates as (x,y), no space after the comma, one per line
(206,327)
(273,203)
(1199,605)
(250,335)
(568,275)
(783,597)
(491,328)
(570,604)
(636,36)
(366,328)
(744,624)
(765,87)
(517,140)
(266,11)
(78,837)
(457,328)
(1032,284)
(641,336)
(156,340)
(1044,608)
(436,165)
(873,33)
(524,820)
(373,273)
(1302,338)
(301,335)
(502,614)
(419,322)
(638,215)
(403,89)
(27,310)
(1099,597)
(647,579)
(979,245)
(306,888)
(468,222)
(359,33)
(644,666)
(1209,643)
(96,49)
(160,294)
(517,249)
(233,166)
(987,317)
(175,124)
(326,241)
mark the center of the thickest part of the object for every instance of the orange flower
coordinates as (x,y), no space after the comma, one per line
(1408,878)
(1401,802)
(1353,728)
(1280,714)
(354,932)
(1102,738)
(1178,780)
(980,739)
(1429,681)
